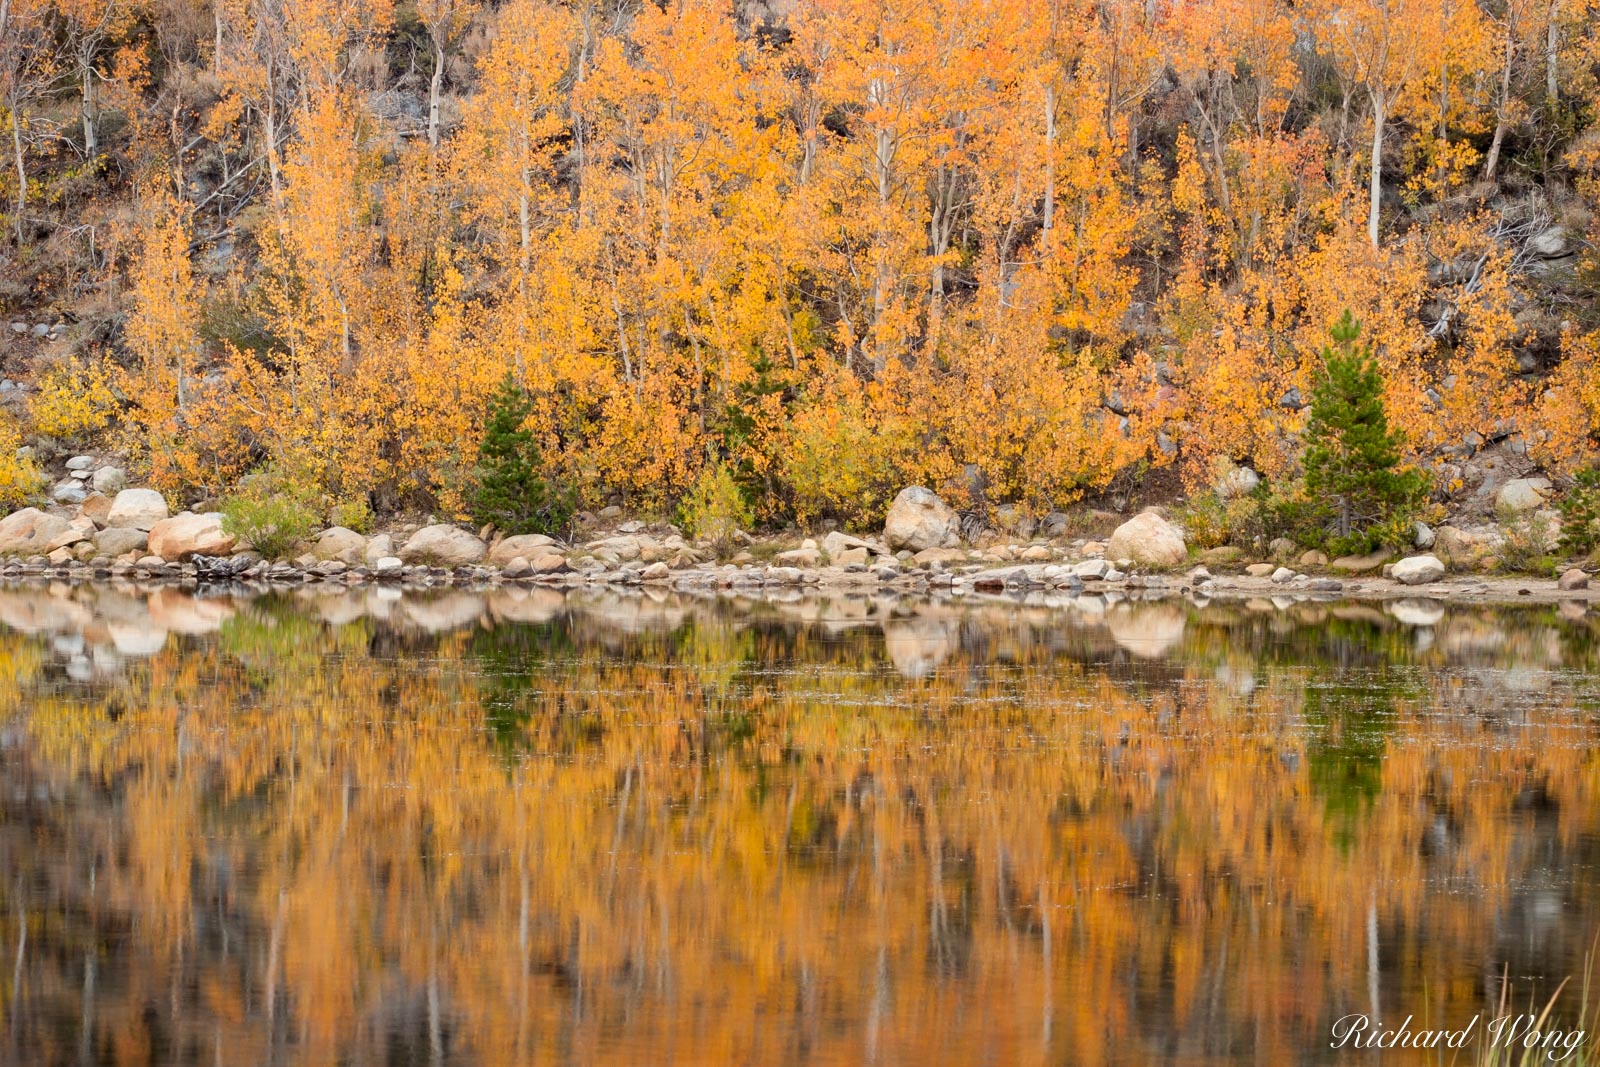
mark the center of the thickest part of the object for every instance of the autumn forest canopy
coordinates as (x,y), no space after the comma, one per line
(1015,250)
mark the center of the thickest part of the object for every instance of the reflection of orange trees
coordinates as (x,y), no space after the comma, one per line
(741,842)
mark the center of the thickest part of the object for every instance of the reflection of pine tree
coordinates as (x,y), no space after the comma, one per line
(511,492)
(1352,460)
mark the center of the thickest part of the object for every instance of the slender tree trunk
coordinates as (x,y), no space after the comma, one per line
(883,162)
(270,119)
(434,88)
(1552,48)
(22,173)
(1378,116)
(1049,163)
(91,139)
(216,50)
(1492,159)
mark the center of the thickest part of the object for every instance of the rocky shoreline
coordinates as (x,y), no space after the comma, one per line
(132,538)
(1020,583)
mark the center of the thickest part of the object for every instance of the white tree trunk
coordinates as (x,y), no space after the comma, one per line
(1378,116)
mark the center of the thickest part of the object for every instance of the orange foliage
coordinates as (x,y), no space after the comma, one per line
(926,240)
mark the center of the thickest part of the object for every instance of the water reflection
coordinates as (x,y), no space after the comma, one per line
(521,826)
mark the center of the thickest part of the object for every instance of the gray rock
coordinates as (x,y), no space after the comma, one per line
(341,544)
(1092,568)
(444,545)
(1054,524)
(378,546)
(1424,536)
(1282,576)
(525,545)
(1572,580)
(1550,244)
(69,493)
(388,567)
(1238,481)
(1522,494)
(110,480)
(116,542)
(80,463)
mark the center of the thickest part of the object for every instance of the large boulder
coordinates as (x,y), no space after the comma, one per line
(1418,570)
(339,543)
(116,542)
(137,509)
(444,546)
(29,531)
(1361,564)
(837,543)
(78,531)
(187,534)
(96,507)
(525,545)
(1522,494)
(1149,539)
(918,519)
(379,546)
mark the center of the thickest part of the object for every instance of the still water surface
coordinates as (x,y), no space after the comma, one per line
(522,827)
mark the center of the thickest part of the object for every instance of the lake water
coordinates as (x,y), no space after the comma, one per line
(524,827)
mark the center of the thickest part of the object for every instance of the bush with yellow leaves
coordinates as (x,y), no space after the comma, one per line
(73,399)
(20,477)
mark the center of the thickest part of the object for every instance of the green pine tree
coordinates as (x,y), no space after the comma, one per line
(510,489)
(1362,493)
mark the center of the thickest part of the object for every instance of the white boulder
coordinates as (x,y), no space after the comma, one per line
(918,519)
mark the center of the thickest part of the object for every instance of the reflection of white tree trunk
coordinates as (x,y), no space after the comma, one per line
(86,1024)
(1372,958)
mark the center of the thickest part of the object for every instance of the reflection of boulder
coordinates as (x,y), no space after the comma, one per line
(1150,631)
(36,611)
(136,639)
(532,606)
(1466,637)
(171,609)
(1417,611)
(449,611)
(917,647)
(1239,680)
(338,607)
(630,613)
